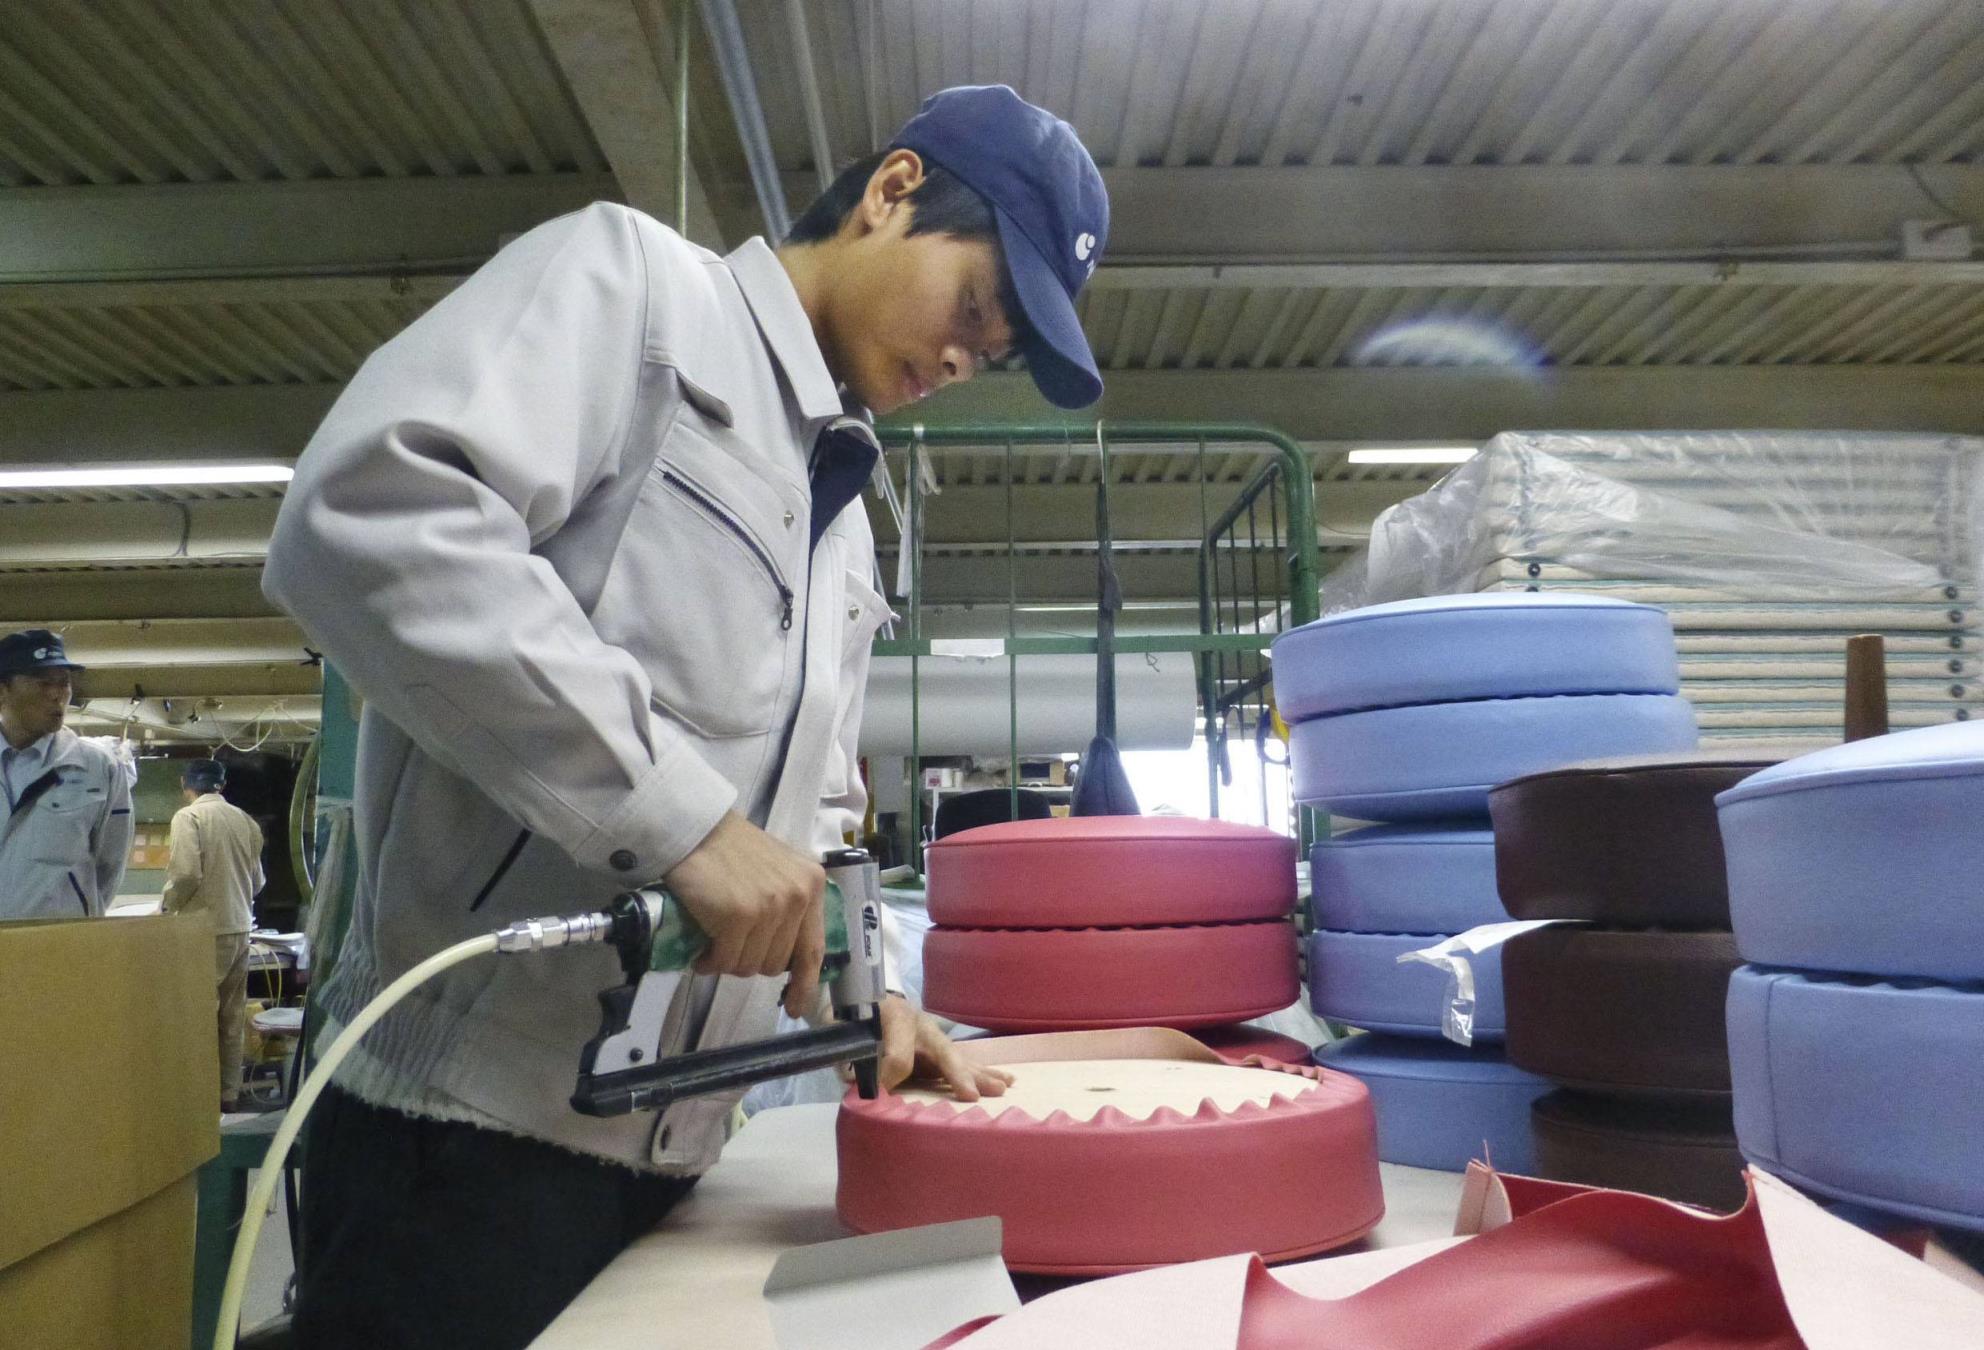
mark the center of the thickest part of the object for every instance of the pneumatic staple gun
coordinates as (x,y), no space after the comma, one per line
(629,1067)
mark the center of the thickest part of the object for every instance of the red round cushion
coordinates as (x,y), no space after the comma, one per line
(1053,979)
(1117,1191)
(1101,871)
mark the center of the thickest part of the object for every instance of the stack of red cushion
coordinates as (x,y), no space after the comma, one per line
(1110,921)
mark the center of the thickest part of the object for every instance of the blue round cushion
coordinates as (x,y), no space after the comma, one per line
(1405,879)
(1440,759)
(1862,1090)
(1439,1104)
(1491,645)
(1864,858)
(1356,978)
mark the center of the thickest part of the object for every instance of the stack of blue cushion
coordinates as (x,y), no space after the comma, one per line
(1856,1033)
(1407,714)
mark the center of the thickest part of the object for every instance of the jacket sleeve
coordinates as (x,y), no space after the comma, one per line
(113,837)
(183,868)
(405,546)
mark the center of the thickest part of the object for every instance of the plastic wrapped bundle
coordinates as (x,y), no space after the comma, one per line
(1766,549)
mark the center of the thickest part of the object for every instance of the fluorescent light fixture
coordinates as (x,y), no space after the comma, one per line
(143,475)
(1415,454)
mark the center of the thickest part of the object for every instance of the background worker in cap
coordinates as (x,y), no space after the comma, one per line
(587,538)
(216,870)
(66,836)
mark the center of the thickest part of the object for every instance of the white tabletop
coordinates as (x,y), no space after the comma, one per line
(697,1279)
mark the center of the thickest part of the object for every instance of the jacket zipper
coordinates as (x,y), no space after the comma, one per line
(502,870)
(725,519)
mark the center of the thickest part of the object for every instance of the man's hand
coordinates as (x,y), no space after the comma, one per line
(914,1045)
(760,902)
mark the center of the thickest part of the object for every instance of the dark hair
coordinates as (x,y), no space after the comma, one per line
(942,203)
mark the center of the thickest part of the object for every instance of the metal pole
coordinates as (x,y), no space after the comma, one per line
(912,485)
(682,31)
(1012,657)
(809,92)
(733,66)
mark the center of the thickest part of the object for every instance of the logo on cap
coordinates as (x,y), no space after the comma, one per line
(1084,245)
(41,653)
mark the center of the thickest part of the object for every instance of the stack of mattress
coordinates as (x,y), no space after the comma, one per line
(1408,714)
(1114,921)
(1624,1010)
(1856,1031)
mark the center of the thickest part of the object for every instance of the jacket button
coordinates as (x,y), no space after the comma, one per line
(853,612)
(623,860)
(788,520)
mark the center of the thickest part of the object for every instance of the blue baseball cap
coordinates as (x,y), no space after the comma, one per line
(33,649)
(1052,209)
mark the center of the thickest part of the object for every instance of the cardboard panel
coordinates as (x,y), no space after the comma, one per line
(109,1076)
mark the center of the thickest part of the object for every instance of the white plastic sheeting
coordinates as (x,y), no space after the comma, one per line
(1767,549)
(966,708)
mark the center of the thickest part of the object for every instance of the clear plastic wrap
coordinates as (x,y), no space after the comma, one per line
(1760,515)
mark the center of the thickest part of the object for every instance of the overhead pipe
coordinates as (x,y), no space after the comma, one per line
(809,92)
(733,65)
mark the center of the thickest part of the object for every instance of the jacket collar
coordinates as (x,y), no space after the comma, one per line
(786,329)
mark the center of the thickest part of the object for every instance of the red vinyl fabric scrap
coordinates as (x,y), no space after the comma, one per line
(1574,1269)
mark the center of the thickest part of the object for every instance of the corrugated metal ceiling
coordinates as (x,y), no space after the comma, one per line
(1187,82)
(154,91)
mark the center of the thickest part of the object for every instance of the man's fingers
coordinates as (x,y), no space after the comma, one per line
(960,1074)
(992,1082)
(720,957)
(804,990)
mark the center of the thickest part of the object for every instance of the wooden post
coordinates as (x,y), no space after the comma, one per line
(1866,687)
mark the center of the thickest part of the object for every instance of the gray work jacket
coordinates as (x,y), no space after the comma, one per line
(67,837)
(556,534)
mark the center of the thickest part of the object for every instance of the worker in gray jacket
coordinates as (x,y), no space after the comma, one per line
(580,537)
(66,836)
(216,871)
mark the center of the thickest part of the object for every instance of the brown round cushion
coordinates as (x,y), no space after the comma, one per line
(1682,1151)
(1630,842)
(1615,1011)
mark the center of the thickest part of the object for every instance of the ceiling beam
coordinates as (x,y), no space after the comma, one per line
(113,425)
(619,58)
(378,225)
(1470,404)
(1493,275)
(1048,513)
(1522,211)
(58,599)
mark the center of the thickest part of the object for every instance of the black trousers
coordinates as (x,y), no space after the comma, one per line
(435,1234)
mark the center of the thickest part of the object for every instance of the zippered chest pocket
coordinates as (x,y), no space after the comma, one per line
(58,824)
(700,599)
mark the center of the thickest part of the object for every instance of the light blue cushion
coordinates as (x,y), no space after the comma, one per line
(1865,858)
(1862,1090)
(1439,1104)
(1445,648)
(1405,879)
(1356,978)
(1439,760)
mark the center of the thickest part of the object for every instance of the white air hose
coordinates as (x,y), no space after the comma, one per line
(227,1328)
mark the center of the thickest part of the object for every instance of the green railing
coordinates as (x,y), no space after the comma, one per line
(1283,487)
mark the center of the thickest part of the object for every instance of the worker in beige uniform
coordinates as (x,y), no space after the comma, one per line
(216,870)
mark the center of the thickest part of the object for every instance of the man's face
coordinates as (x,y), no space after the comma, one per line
(35,704)
(913,313)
